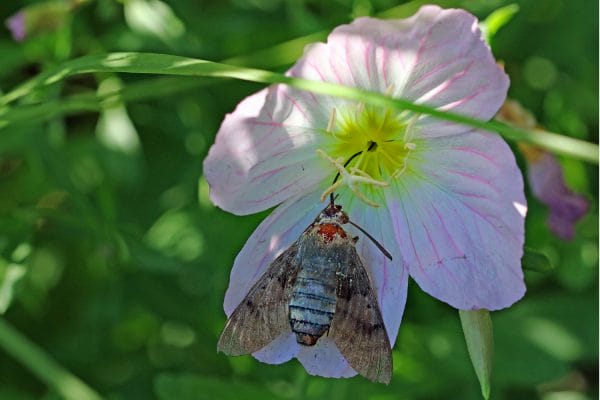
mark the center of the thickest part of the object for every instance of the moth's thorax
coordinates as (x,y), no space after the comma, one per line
(330,231)
(328,225)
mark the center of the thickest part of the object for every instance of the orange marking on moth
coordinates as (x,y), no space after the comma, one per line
(329,231)
(306,339)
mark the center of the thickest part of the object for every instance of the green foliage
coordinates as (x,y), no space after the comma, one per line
(114,263)
(189,387)
(478,331)
(535,261)
(497,19)
(149,63)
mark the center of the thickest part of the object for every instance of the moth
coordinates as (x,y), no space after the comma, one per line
(318,286)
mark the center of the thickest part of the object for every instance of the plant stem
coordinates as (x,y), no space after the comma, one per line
(43,366)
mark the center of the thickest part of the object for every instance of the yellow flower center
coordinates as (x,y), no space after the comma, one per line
(371,148)
(379,136)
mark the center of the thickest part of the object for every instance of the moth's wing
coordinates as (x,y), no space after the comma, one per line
(357,326)
(263,314)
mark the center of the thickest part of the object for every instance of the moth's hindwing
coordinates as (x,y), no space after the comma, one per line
(263,314)
(357,326)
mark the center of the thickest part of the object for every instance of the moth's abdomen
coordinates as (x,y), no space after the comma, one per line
(312,304)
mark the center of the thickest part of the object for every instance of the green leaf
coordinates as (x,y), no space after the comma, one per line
(115,130)
(478,331)
(9,279)
(288,52)
(93,101)
(497,20)
(534,260)
(150,63)
(154,18)
(43,366)
(196,387)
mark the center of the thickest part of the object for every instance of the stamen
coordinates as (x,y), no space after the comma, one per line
(384,120)
(360,107)
(398,172)
(408,145)
(408,132)
(332,120)
(350,177)
(390,90)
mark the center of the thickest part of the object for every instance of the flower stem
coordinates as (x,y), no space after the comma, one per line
(41,365)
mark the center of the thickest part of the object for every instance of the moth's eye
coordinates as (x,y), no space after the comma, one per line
(343,217)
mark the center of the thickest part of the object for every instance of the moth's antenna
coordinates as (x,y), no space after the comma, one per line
(375,242)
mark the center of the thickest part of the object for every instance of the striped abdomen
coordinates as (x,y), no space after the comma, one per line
(313,300)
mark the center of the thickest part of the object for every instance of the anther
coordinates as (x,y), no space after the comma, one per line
(350,177)
(332,120)
(390,90)
(409,131)
(360,107)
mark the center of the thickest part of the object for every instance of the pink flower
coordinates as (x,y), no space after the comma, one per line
(450,199)
(40,17)
(548,185)
(16,25)
(546,178)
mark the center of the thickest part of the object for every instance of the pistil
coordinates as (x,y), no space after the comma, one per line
(351,177)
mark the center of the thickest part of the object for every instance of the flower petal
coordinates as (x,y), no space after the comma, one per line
(324,359)
(548,185)
(459,220)
(265,150)
(545,176)
(437,57)
(265,153)
(282,349)
(17,27)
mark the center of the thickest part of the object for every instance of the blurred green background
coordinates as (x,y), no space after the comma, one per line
(114,261)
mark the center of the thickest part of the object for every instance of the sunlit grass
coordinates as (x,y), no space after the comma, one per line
(164,64)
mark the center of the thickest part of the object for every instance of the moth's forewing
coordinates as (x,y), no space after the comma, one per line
(357,326)
(263,314)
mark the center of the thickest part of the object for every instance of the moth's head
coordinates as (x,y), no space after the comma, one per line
(333,213)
